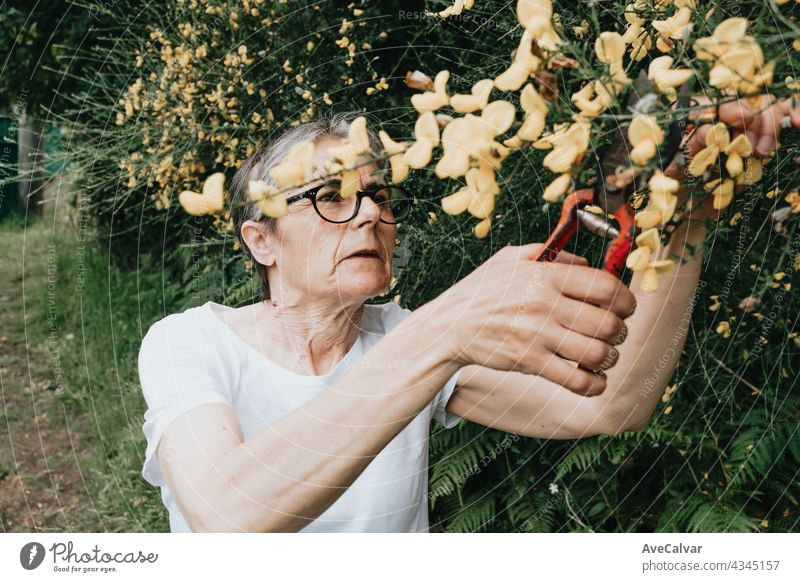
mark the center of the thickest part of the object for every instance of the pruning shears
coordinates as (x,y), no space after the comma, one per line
(614,190)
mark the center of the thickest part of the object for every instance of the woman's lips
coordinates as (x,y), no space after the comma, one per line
(364,257)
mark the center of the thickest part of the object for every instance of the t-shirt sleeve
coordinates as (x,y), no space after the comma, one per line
(178,371)
(396,314)
(447,419)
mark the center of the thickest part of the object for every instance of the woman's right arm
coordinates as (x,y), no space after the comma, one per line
(289,473)
(504,315)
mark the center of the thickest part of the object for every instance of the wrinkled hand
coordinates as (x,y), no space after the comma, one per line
(761,122)
(558,320)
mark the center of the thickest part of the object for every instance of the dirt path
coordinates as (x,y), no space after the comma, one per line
(42,486)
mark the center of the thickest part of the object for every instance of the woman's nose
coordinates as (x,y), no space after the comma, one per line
(369,209)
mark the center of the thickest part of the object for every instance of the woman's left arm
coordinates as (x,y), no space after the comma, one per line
(532,406)
(657,332)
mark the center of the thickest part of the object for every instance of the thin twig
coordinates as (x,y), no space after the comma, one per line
(722,365)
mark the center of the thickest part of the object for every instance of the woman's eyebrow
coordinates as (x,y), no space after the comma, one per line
(372,181)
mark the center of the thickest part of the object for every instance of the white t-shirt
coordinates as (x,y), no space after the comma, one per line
(192,358)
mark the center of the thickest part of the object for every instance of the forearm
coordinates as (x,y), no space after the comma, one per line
(526,404)
(656,334)
(292,471)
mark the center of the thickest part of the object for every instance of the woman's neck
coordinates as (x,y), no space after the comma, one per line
(313,336)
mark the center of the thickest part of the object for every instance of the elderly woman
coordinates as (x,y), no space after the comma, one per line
(311,410)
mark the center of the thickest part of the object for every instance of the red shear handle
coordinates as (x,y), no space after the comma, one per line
(567,225)
(617,251)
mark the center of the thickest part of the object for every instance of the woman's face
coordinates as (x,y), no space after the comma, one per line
(308,257)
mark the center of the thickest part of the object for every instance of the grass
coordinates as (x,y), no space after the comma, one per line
(100,312)
(108,319)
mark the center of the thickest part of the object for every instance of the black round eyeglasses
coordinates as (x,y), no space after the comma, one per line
(394,202)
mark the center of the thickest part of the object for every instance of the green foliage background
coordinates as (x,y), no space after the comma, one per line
(726,456)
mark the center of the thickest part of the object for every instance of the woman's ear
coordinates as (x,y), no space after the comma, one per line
(259,239)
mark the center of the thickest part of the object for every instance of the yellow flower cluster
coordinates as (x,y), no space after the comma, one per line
(662,201)
(298,169)
(175,100)
(173,97)
(470,146)
(643,258)
(738,66)
(472,139)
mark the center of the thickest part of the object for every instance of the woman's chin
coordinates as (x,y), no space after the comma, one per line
(363,285)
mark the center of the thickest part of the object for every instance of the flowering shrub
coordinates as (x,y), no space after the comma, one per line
(493,126)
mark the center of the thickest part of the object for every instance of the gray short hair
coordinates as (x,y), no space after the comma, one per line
(268,155)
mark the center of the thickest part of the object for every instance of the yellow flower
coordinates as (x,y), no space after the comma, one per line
(396,159)
(609,48)
(426,132)
(524,64)
(725,35)
(738,149)
(718,138)
(497,117)
(641,42)
(666,78)
(741,68)
(654,270)
(269,199)
(483,182)
(536,16)
(583,100)
(477,99)
(296,168)
(738,60)
(662,203)
(641,259)
(356,144)
(638,259)
(650,239)
(650,216)
(358,137)
(636,34)
(793,198)
(569,146)
(457,202)
(645,135)
(433,100)
(482,228)
(472,138)
(676,26)
(557,187)
(722,190)
(458,139)
(724,329)
(595,97)
(582,29)
(211,201)
(457,7)
(535,108)
(478,196)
